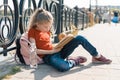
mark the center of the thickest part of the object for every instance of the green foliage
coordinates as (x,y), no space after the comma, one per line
(13,71)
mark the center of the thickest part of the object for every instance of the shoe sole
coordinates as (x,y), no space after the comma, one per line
(98,62)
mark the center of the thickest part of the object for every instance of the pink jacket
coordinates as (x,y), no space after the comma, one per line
(25,49)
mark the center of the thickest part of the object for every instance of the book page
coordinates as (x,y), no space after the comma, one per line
(64,41)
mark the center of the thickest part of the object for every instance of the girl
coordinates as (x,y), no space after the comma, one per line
(39,33)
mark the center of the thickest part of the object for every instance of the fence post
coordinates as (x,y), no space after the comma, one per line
(59,19)
(76,16)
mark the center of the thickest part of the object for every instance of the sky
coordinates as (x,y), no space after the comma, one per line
(85,3)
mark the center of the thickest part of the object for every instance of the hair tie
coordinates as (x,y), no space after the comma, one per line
(41,10)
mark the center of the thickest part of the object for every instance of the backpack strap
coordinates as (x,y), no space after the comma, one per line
(18,53)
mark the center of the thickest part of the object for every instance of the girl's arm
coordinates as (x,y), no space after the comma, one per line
(41,51)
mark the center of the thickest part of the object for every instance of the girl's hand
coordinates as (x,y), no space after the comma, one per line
(61,36)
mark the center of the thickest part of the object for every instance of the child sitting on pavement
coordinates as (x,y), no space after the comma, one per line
(39,33)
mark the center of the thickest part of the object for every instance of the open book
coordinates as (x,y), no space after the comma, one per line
(64,41)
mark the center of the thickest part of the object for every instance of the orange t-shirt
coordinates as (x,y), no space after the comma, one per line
(42,39)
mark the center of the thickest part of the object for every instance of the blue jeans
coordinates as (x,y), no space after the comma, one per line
(58,61)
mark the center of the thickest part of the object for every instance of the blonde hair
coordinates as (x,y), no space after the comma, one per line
(40,16)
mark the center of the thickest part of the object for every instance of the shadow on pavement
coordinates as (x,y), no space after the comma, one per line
(44,71)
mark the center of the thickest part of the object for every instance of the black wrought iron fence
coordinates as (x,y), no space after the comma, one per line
(15,15)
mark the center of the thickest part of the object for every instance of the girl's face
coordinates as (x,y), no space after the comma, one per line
(44,27)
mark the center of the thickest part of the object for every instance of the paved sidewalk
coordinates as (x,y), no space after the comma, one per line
(105,37)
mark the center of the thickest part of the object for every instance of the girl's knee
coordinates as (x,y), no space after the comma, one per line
(80,38)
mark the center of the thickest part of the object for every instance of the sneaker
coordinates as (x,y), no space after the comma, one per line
(78,59)
(101,60)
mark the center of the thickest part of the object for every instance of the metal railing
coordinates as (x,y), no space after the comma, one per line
(15,15)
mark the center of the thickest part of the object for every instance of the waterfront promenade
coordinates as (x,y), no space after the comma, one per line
(105,37)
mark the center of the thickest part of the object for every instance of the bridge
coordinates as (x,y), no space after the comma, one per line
(14,17)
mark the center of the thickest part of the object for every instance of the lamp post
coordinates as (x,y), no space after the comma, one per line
(90,6)
(96,4)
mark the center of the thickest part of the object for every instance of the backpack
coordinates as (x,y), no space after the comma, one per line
(18,53)
(23,50)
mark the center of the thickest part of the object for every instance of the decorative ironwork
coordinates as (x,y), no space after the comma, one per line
(64,18)
(25,11)
(8,23)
